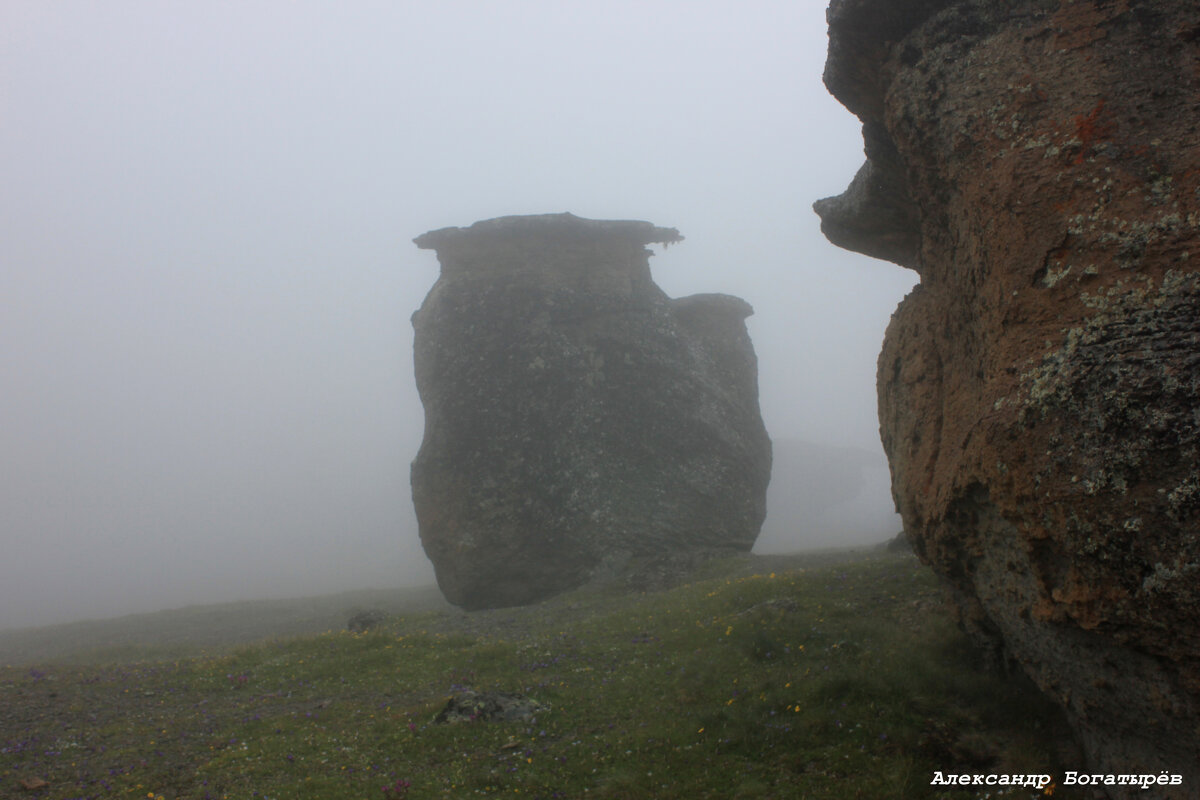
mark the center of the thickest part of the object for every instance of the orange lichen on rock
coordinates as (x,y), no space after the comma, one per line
(1091,128)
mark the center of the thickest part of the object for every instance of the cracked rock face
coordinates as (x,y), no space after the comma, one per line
(575,416)
(1036,162)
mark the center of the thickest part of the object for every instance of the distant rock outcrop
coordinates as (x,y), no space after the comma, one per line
(574,414)
(363,621)
(826,496)
(1036,161)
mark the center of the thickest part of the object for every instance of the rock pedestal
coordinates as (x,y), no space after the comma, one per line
(1037,163)
(574,414)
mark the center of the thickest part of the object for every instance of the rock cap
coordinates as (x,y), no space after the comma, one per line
(861,36)
(566,228)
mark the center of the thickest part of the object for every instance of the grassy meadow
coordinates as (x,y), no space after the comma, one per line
(762,677)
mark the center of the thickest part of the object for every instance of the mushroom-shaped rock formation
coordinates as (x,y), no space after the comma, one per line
(576,416)
(1037,163)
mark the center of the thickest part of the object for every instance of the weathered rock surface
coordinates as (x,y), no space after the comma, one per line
(472,706)
(574,413)
(1038,163)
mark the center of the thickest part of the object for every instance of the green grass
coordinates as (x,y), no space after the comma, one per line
(183,632)
(843,681)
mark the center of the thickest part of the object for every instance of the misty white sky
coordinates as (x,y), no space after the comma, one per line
(206,267)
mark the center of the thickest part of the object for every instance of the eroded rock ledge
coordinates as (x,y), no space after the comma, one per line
(1036,162)
(575,416)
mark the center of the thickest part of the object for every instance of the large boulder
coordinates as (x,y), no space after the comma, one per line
(1036,162)
(575,416)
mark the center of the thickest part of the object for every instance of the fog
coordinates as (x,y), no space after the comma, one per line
(207,273)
